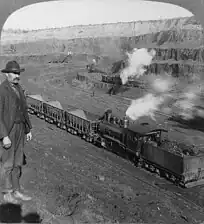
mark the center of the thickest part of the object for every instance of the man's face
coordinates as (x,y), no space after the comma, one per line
(13,77)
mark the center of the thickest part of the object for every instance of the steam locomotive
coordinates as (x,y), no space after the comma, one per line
(113,77)
(111,81)
(144,144)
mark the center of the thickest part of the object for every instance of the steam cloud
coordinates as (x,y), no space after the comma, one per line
(150,103)
(145,106)
(136,62)
(187,103)
(162,87)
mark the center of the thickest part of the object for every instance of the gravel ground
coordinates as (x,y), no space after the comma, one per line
(68,175)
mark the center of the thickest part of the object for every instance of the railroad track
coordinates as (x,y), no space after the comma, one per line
(124,103)
(130,176)
(121,171)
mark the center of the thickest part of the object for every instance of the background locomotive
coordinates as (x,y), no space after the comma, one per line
(112,78)
(141,143)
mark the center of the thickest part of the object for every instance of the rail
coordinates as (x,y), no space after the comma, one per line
(125,170)
(124,98)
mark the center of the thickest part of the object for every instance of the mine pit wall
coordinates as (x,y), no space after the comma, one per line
(114,47)
(178,44)
(122,29)
(178,62)
(103,39)
(176,69)
(176,55)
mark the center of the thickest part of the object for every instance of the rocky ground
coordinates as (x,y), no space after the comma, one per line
(70,179)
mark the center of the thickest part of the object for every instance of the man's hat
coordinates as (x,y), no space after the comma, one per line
(13,67)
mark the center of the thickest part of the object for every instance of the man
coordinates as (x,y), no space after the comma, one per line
(14,126)
(107,115)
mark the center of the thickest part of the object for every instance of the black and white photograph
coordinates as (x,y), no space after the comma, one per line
(102,111)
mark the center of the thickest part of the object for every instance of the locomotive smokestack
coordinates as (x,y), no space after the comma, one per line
(125,122)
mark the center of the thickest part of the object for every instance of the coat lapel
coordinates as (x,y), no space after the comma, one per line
(12,93)
(10,89)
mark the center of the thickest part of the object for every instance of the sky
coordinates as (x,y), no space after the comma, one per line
(84,12)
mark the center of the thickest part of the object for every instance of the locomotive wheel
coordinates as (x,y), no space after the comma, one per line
(87,139)
(177,181)
(139,162)
(134,160)
(142,164)
(146,166)
(157,171)
(167,176)
(173,178)
(152,168)
(182,184)
(91,140)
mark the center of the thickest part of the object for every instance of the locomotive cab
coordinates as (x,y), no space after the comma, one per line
(155,137)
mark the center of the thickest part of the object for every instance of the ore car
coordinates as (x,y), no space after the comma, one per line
(35,105)
(74,120)
(82,123)
(54,113)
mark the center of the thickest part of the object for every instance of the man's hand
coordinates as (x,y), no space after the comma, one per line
(6,142)
(29,136)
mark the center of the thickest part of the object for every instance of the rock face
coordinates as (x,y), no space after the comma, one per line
(121,29)
(178,44)
(104,39)
(175,69)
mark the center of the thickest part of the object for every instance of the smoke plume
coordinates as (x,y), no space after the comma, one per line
(151,102)
(163,84)
(136,62)
(145,106)
(186,104)
(166,93)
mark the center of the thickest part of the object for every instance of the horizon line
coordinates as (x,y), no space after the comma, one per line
(137,21)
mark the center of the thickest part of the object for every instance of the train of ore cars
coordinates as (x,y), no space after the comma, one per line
(144,145)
